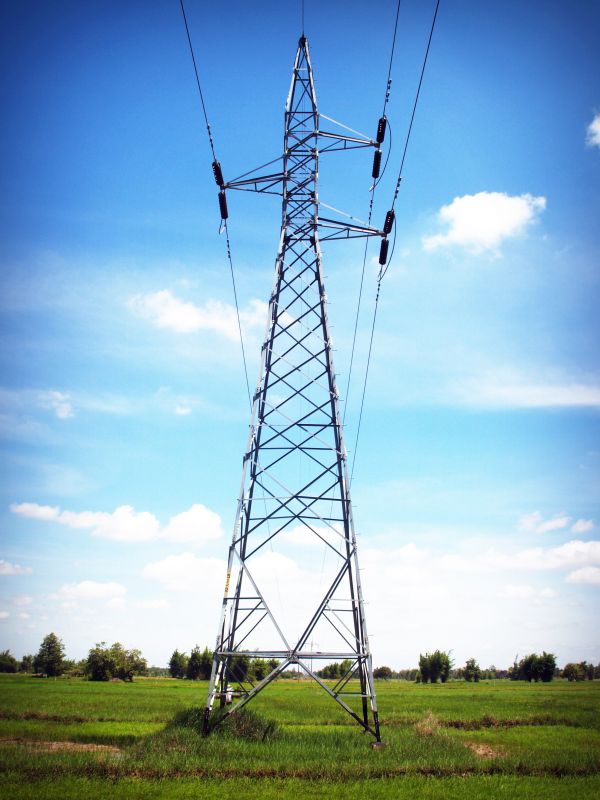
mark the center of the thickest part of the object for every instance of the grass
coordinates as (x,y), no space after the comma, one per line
(495,739)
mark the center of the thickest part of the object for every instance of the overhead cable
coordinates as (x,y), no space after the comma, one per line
(383,267)
(222,202)
(376,178)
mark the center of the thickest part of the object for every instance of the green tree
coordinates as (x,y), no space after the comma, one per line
(104,663)
(194,666)
(546,666)
(206,659)
(99,665)
(425,667)
(178,664)
(382,673)
(26,664)
(259,669)
(472,671)
(435,666)
(127,663)
(50,657)
(573,672)
(239,668)
(8,663)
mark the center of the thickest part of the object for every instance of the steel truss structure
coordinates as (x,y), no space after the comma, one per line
(295,487)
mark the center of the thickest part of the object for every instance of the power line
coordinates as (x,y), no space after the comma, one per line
(388,86)
(225,228)
(414,109)
(384,269)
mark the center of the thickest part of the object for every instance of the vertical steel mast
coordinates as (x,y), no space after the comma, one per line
(280,598)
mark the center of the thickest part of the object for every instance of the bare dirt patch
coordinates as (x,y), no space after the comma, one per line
(43,746)
(483,750)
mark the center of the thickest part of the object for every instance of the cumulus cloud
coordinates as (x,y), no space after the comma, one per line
(164,310)
(91,590)
(585,575)
(583,526)
(198,524)
(4,615)
(187,573)
(6,568)
(535,523)
(482,221)
(592,138)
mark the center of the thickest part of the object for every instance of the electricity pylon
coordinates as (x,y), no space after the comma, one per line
(295,489)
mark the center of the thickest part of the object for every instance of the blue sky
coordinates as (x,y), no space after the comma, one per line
(123,409)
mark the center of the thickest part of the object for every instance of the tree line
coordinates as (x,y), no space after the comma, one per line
(103,662)
(115,662)
(534,667)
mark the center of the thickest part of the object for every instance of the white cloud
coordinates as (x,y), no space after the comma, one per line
(187,573)
(198,524)
(6,568)
(164,310)
(182,411)
(95,590)
(4,615)
(585,575)
(534,523)
(22,600)
(583,526)
(593,132)
(58,402)
(512,591)
(505,389)
(116,603)
(484,220)
(567,556)
(162,603)
(518,591)
(124,524)
(23,615)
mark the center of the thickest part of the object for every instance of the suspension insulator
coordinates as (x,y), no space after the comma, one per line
(383,252)
(216,166)
(223,205)
(376,163)
(389,221)
(381,126)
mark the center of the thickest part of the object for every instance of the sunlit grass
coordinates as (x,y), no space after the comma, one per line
(458,740)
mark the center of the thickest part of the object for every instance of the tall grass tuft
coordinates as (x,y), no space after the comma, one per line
(243,724)
(428,726)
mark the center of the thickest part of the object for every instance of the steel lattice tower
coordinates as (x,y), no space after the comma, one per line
(295,488)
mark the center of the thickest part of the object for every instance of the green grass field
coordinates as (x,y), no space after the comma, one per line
(72,738)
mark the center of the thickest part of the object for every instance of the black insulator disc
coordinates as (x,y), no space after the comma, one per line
(223,205)
(389,221)
(383,251)
(216,166)
(376,163)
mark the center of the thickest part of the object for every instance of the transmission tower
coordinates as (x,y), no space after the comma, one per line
(283,597)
